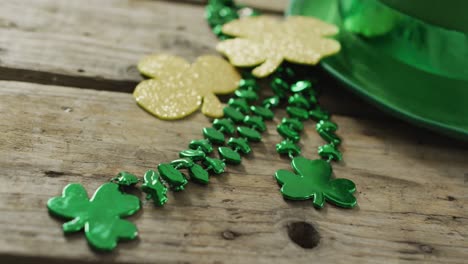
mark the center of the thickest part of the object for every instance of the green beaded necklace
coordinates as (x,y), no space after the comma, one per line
(242,117)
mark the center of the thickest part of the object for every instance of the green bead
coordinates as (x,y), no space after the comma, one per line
(271,102)
(248,84)
(293,123)
(218,30)
(229,155)
(173,177)
(265,113)
(288,147)
(288,133)
(198,174)
(318,114)
(326,130)
(241,144)
(154,188)
(299,101)
(182,163)
(125,179)
(249,133)
(192,154)
(255,122)
(296,112)
(330,137)
(216,165)
(279,87)
(248,95)
(225,125)
(329,151)
(234,114)
(240,104)
(313,99)
(286,72)
(301,86)
(326,125)
(202,144)
(213,135)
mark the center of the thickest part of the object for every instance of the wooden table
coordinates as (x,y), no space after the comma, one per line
(67,69)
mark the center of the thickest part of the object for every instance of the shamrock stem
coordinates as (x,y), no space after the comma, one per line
(268,67)
(319,200)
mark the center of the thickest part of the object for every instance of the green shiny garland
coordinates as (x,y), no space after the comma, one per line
(244,118)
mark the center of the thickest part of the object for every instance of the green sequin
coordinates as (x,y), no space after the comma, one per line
(248,84)
(265,113)
(202,144)
(154,188)
(234,114)
(271,102)
(173,177)
(301,86)
(293,123)
(279,87)
(126,179)
(288,132)
(241,144)
(296,112)
(318,114)
(330,137)
(213,135)
(288,147)
(182,163)
(248,95)
(299,101)
(255,122)
(229,155)
(240,104)
(225,125)
(249,133)
(326,125)
(216,165)
(329,151)
(192,154)
(198,174)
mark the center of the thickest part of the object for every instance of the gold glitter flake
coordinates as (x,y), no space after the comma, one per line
(266,42)
(177,88)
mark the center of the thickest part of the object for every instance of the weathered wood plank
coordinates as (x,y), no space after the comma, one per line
(412,192)
(101,39)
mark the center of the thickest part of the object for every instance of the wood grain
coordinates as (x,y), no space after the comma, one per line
(412,192)
(412,184)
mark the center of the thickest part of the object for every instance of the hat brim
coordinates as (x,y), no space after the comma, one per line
(422,98)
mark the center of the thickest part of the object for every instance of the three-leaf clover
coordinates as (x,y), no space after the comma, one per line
(100,216)
(312,181)
(177,89)
(267,41)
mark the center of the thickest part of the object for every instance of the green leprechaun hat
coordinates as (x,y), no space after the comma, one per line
(407,57)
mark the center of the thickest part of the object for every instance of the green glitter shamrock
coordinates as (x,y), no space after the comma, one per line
(100,216)
(314,182)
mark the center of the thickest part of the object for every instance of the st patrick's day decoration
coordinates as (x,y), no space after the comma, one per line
(177,89)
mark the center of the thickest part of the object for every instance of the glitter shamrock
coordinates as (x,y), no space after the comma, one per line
(312,181)
(267,41)
(100,217)
(177,89)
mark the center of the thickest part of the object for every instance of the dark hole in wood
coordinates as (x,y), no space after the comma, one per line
(303,234)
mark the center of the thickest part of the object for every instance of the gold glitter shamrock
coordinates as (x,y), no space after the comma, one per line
(267,41)
(177,89)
